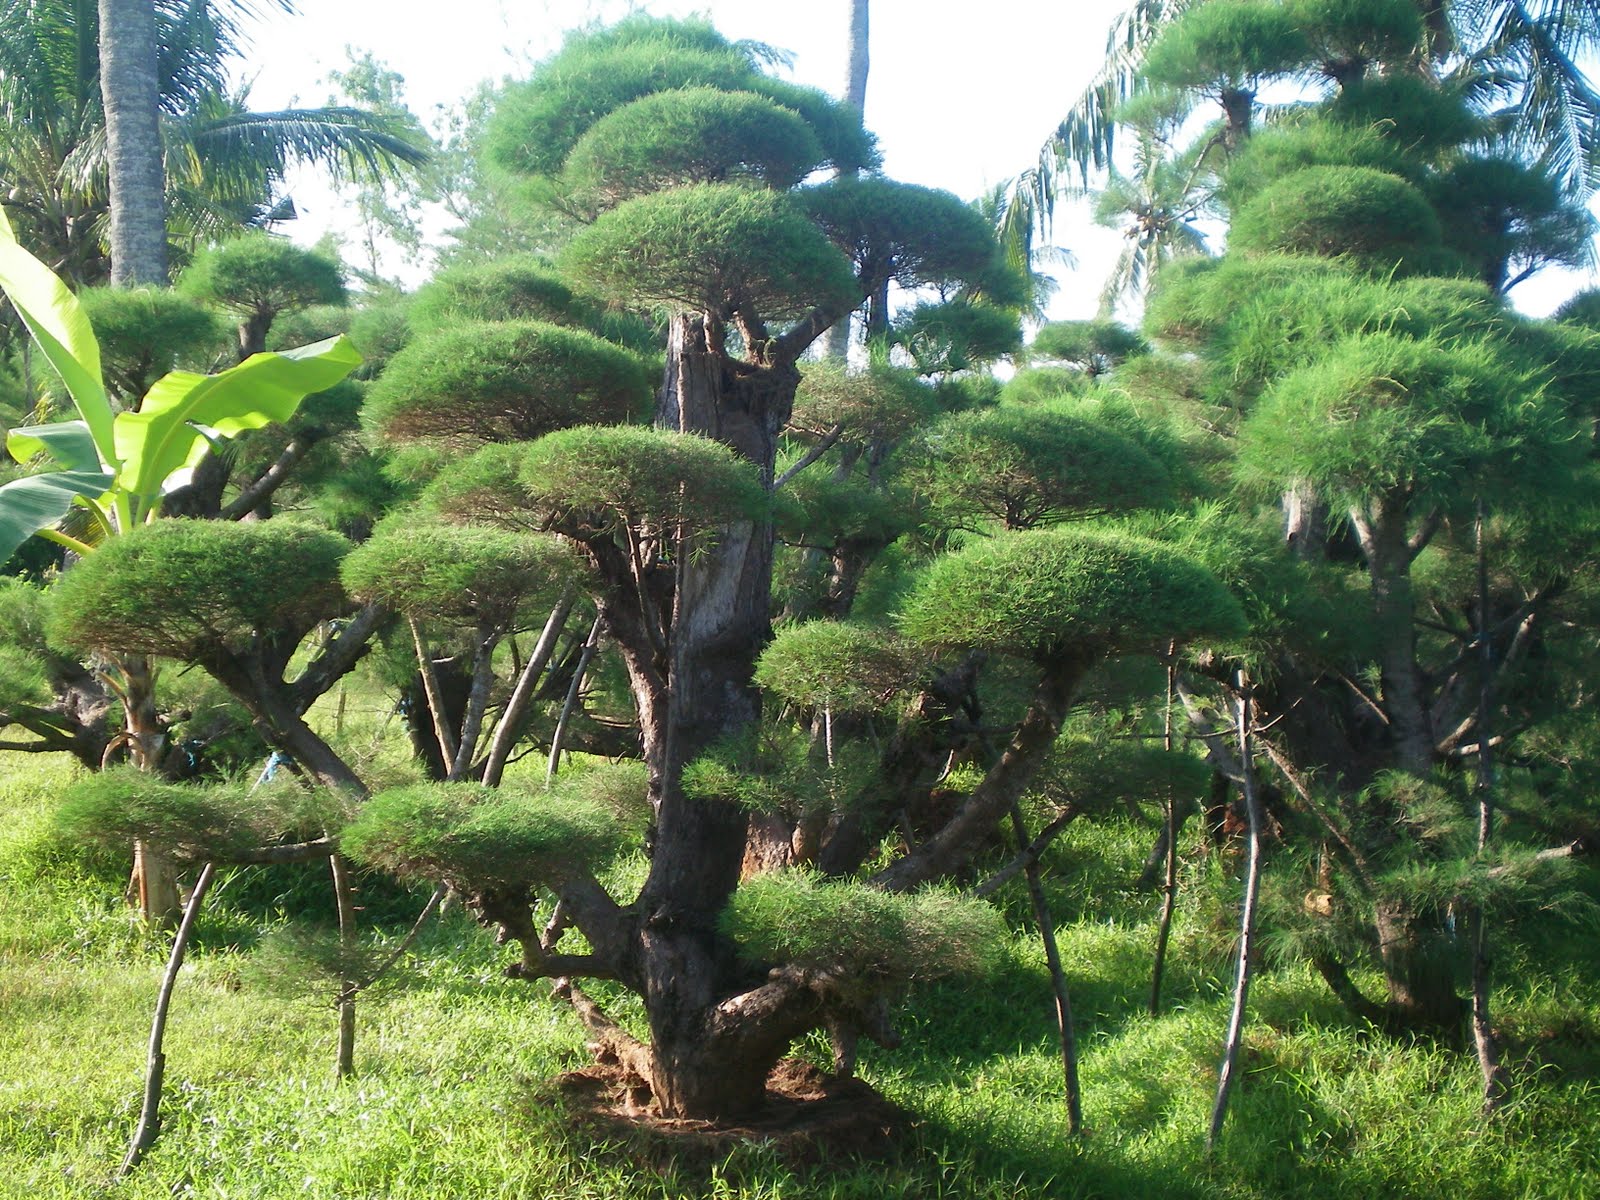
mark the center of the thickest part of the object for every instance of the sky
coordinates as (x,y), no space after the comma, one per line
(961,96)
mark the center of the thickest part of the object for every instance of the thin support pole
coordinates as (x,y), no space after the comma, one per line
(149,1127)
(1058,979)
(1247,920)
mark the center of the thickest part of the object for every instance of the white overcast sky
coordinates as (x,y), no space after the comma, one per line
(961,95)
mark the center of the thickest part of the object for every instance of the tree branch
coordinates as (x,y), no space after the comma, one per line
(275,476)
(817,450)
(1029,855)
(337,658)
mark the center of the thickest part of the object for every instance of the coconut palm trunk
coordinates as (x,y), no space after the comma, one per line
(130,91)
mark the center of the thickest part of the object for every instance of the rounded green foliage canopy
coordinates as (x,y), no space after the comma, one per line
(1067,592)
(484,488)
(836,665)
(185,588)
(1582,310)
(1384,415)
(880,402)
(957,335)
(192,823)
(595,480)
(872,937)
(503,382)
(912,235)
(1333,211)
(1092,346)
(456,573)
(693,135)
(1025,467)
(23,681)
(710,248)
(1344,36)
(479,838)
(146,332)
(508,289)
(815,509)
(1314,141)
(538,123)
(1227,43)
(261,274)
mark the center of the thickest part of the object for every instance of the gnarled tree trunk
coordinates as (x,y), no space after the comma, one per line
(721,620)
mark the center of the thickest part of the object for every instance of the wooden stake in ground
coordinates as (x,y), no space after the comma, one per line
(590,645)
(1496,1080)
(1247,920)
(1169,893)
(1058,977)
(149,1127)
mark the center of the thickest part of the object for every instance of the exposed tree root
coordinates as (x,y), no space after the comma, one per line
(807,1115)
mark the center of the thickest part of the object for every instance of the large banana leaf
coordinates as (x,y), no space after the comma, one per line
(68,442)
(37,502)
(183,411)
(61,329)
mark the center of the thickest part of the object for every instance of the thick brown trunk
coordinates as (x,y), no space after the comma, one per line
(1419,973)
(1389,555)
(1004,783)
(720,622)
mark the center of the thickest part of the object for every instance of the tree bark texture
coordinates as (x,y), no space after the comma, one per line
(155,878)
(1389,553)
(704,1062)
(130,91)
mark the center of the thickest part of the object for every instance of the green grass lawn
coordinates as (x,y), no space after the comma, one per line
(453,1093)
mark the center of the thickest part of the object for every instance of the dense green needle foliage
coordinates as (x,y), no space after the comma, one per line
(1338,210)
(263,275)
(146,332)
(456,573)
(836,665)
(478,837)
(694,135)
(1040,594)
(616,478)
(1028,467)
(502,381)
(194,823)
(186,589)
(710,248)
(509,289)
(865,934)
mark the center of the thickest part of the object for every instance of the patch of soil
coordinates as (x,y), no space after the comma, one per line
(808,1116)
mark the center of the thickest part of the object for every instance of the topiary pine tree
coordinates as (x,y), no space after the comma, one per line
(751,270)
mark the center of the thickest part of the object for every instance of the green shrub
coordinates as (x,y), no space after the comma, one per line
(477,837)
(599,478)
(837,665)
(510,381)
(454,572)
(872,937)
(705,247)
(1086,590)
(183,588)
(690,135)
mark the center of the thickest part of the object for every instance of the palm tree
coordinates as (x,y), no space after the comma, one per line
(1155,209)
(224,164)
(130,98)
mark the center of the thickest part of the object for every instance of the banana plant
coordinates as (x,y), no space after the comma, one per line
(119,465)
